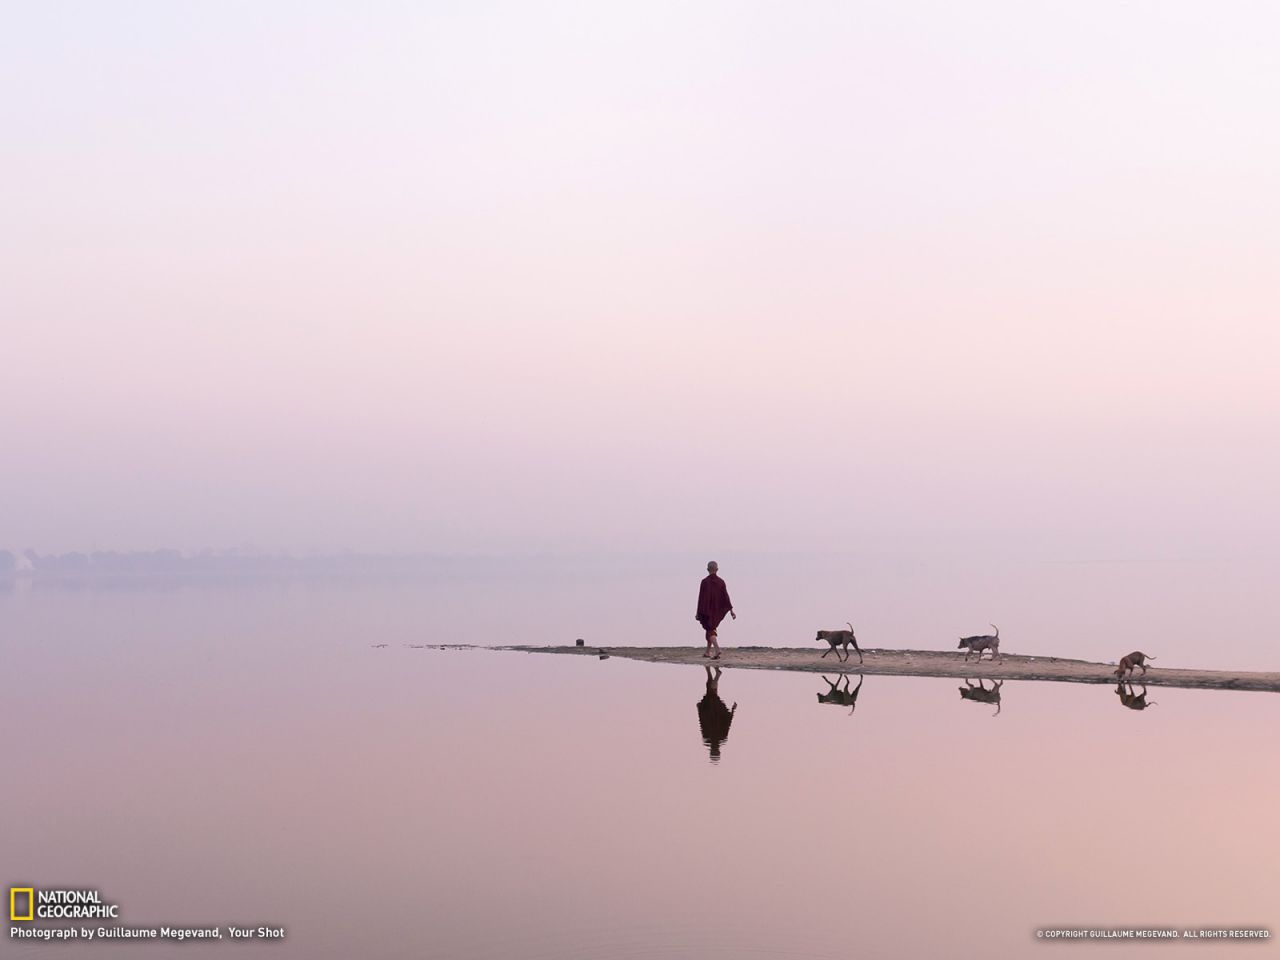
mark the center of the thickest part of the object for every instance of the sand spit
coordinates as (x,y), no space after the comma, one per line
(926,663)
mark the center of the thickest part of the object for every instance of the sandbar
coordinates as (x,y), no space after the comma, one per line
(926,663)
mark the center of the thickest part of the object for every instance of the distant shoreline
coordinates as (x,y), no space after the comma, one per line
(925,663)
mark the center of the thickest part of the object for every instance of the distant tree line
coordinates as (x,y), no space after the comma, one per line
(150,562)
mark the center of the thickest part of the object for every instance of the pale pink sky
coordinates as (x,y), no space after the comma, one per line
(577,276)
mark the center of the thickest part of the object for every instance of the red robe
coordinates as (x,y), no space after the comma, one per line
(713,602)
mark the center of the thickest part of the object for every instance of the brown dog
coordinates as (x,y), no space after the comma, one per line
(979,644)
(843,697)
(839,638)
(981,693)
(1135,659)
(1134,701)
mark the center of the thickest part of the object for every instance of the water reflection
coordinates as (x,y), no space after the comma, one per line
(1132,700)
(982,693)
(841,696)
(713,716)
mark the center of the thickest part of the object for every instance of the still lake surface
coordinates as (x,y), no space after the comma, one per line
(244,752)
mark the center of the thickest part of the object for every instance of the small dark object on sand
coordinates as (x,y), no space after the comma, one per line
(579,643)
(603,654)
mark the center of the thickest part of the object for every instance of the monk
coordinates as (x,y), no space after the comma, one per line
(713,604)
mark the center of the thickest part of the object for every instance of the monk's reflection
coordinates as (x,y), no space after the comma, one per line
(982,693)
(841,696)
(713,716)
(1134,701)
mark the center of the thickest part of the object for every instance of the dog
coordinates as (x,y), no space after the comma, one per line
(1134,701)
(978,644)
(982,693)
(1135,659)
(843,697)
(839,638)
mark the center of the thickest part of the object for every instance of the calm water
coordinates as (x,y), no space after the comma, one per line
(243,753)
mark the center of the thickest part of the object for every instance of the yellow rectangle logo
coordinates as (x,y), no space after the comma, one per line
(13,903)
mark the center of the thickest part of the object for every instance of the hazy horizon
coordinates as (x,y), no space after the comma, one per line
(566,278)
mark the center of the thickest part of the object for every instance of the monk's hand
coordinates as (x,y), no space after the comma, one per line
(732,614)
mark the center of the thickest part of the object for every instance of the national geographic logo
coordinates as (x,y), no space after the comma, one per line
(27,903)
(18,896)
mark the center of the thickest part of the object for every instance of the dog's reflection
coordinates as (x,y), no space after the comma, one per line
(982,693)
(1134,701)
(841,696)
(713,716)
